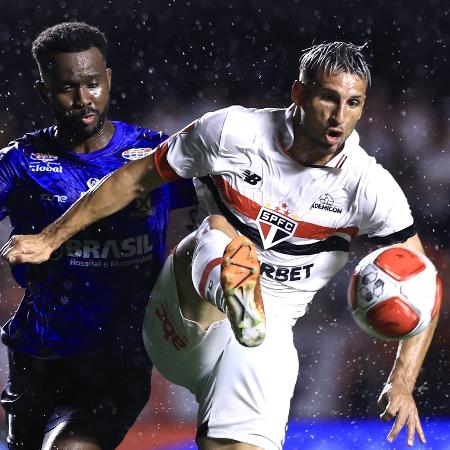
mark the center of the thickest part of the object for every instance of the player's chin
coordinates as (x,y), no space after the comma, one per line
(87,131)
(329,149)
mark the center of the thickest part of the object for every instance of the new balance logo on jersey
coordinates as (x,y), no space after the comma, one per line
(250,178)
(326,202)
(274,227)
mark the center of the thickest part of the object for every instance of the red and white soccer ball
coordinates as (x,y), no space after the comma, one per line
(394,293)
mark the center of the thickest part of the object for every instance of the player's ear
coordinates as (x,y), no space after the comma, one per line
(297,92)
(109,77)
(42,91)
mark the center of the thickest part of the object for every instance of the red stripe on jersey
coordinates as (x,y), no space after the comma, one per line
(161,165)
(250,209)
(210,266)
(341,161)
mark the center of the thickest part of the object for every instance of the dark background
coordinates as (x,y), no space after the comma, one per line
(173,61)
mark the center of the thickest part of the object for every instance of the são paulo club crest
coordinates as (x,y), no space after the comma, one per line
(274,227)
(136,153)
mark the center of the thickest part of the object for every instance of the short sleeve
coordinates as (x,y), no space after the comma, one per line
(384,208)
(193,151)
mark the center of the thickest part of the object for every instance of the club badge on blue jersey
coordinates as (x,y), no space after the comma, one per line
(136,153)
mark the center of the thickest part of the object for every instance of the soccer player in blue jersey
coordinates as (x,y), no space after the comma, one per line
(78,372)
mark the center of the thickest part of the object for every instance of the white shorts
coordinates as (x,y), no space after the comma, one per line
(243,393)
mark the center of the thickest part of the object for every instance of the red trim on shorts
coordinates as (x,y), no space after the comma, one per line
(161,165)
(209,267)
(250,209)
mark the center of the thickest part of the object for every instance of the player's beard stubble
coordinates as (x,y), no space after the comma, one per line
(72,127)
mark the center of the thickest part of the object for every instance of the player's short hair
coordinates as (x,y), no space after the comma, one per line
(334,57)
(67,37)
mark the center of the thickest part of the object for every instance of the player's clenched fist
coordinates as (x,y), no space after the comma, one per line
(26,249)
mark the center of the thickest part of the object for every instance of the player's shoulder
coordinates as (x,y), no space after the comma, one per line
(371,166)
(139,136)
(250,122)
(34,142)
(237,112)
(255,114)
(356,158)
(373,178)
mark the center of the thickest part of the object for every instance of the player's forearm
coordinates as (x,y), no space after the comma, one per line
(410,356)
(113,193)
(411,352)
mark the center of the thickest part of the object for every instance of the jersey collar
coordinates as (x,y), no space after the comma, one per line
(286,138)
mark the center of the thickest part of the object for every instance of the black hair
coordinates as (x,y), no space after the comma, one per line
(334,57)
(67,37)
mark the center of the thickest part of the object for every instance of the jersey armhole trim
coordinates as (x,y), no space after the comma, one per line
(395,238)
(162,166)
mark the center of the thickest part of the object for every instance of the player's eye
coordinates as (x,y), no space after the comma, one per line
(328,97)
(65,88)
(354,103)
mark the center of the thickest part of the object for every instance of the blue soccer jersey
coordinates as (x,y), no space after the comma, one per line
(91,295)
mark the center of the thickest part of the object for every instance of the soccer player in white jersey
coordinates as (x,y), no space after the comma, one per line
(293,186)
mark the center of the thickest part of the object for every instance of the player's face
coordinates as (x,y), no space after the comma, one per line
(76,86)
(331,107)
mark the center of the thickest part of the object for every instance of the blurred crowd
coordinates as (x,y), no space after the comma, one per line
(172,62)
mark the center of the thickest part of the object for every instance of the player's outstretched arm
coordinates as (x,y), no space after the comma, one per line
(396,399)
(113,193)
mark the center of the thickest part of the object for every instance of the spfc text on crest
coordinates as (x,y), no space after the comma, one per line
(274,227)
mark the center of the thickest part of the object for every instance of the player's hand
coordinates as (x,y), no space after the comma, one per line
(33,249)
(397,401)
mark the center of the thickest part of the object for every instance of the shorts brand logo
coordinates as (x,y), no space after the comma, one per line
(170,334)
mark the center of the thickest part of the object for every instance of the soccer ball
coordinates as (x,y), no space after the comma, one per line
(394,293)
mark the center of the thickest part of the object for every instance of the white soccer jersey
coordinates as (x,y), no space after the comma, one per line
(301,217)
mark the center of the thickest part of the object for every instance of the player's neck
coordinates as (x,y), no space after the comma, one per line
(96,142)
(307,151)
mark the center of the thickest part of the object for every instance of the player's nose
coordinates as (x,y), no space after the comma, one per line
(338,114)
(82,97)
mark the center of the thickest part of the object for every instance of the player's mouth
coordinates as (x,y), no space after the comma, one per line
(333,136)
(88,119)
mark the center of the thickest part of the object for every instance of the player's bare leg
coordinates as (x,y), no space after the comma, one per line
(192,305)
